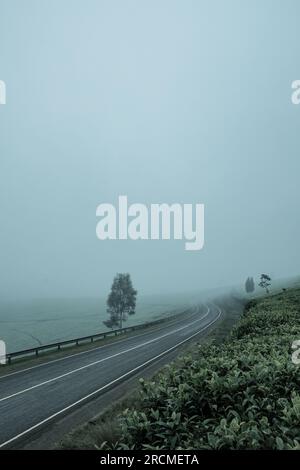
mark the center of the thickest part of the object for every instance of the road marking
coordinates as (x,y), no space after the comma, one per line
(35,426)
(102,360)
(79,353)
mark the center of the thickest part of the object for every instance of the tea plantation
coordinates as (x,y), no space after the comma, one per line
(241,394)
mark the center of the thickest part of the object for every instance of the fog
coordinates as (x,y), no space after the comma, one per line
(165,102)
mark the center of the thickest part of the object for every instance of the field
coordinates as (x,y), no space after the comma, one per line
(31,323)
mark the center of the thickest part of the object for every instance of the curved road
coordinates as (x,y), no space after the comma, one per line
(32,397)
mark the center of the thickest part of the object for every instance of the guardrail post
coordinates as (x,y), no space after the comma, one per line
(36,352)
(92,339)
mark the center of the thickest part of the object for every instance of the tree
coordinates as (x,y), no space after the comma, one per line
(249,285)
(121,300)
(265,282)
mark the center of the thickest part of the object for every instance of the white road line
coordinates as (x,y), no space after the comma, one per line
(35,426)
(102,360)
(77,354)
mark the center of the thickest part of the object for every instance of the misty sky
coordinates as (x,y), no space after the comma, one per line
(163,101)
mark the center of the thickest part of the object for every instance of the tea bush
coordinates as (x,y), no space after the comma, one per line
(242,394)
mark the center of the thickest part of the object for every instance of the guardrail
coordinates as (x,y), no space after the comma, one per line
(90,338)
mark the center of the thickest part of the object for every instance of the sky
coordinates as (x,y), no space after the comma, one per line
(164,101)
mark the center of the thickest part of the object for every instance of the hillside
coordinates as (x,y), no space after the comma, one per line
(241,394)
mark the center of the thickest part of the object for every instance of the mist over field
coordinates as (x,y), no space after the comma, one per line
(30,323)
(162,101)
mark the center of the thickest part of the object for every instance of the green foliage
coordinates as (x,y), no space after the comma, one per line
(265,282)
(242,394)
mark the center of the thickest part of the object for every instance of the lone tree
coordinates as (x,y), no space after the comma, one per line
(249,285)
(121,300)
(265,282)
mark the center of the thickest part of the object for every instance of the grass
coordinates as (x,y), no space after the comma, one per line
(241,393)
(104,428)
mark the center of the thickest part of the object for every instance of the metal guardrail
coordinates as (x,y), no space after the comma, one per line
(90,338)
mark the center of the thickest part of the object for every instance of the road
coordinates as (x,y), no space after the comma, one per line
(34,397)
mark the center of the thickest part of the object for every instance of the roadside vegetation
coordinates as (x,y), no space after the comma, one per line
(242,393)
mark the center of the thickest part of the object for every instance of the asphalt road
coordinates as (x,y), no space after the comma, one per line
(34,397)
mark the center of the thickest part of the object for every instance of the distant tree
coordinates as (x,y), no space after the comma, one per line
(249,285)
(121,300)
(265,282)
